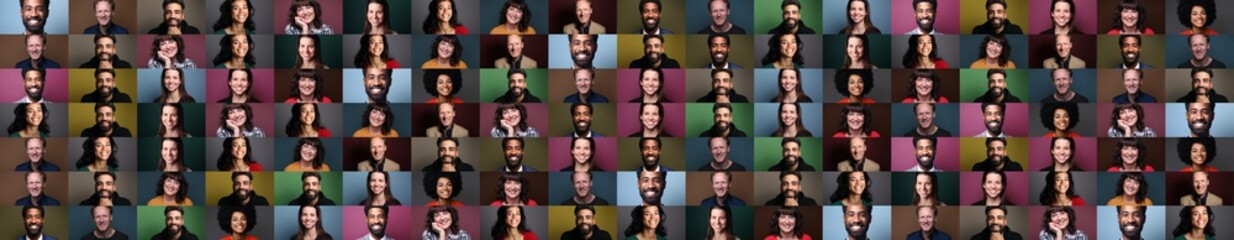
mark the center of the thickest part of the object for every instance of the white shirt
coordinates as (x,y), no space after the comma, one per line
(917,31)
(26,99)
(917,168)
(986,134)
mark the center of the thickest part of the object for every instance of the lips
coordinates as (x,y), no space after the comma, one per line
(1198,124)
(580,56)
(992,124)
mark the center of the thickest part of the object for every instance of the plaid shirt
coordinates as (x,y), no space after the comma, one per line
(292,29)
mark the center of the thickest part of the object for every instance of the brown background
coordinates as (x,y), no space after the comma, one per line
(1155,155)
(811,219)
(82,12)
(950,78)
(1178,184)
(700,187)
(15,48)
(81,186)
(880,119)
(836,150)
(55,186)
(1110,84)
(904,221)
(55,152)
(424,115)
(1154,20)
(493,47)
(1041,47)
(355,150)
(561,84)
(331,78)
(536,188)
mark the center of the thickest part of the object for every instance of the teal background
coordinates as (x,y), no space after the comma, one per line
(903,187)
(192,114)
(741,220)
(879,46)
(150,153)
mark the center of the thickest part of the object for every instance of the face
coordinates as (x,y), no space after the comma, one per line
(311,187)
(512,189)
(377,147)
(855,120)
(307,152)
(105,48)
(924,13)
(1062,45)
(377,184)
(445,49)
(993,117)
(445,11)
(924,150)
(1199,154)
(305,14)
(856,220)
(237,116)
(649,116)
(996,151)
(854,48)
(34,47)
(306,48)
(996,14)
(1128,117)
(242,185)
(719,12)
(1061,119)
(788,46)
(34,221)
(1062,182)
(997,84)
(33,15)
(582,49)
(856,183)
(720,183)
(105,117)
(102,148)
(925,115)
(582,118)
(1199,182)
(170,187)
(925,219)
(1131,81)
(719,149)
(172,81)
(512,115)
(105,82)
(653,49)
(173,14)
(513,152)
(1129,17)
(34,184)
(650,82)
(33,82)
(1130,154)
(582,81)
(377,45)
(857,148)
(717,220)
(239,46)
(723,118)
(857,12)
(513,15)
(650,13)
(651,152)
(791,14)
(993,49)
(447,151)
(791,152)
(790,186)
(1199,118)
(855,85)
(1060,219)
(102,218)
(925,45)
(514,45)
(174,221)
(1199,16)
(650,186)
(34,149)
(308,217)
(444,188)
(1061,152)
(443,218)
(306,86)
(514,216)
(1131,187)
(995,220)
(789,81)
(238,83)
(582,183)
(1061,14)
(992,187)
(1199,217)
(376,118)
(721,82)
(34,114)
(786,223)
(308,113)
(1199,47)
(374,14)
(1130,49)
(517,84)
(239,148)
(582,10)
(104,186)
(169,151)
(788,115)
(376,219)
(1202,82)
(651,217)
(240,11)
(376,83)
(102,12)
(924,186)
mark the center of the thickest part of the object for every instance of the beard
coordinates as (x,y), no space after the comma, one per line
(653,56)
(172,22)
(996,22)
(1131,57)
(377,230)
(650,161)
(1199,127)
(651,196)
(719,58)
(790,160)
(310,195)
(34,230)
(104,194)
(722,91)
(106,91)
(721,126)
(996,228)
(994,127)
(856,229)
(583,59)
(651,23)
(1130,229)
(104,126)
(582,127)
(791,194)
(516,92)
(377,92)
(34,93)
(173,229)
(926,24)
(926,162)
(242,194)
(584,228)
(790,23)
(34,24)
(513,161)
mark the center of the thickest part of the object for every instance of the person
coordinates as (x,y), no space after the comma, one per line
(790,160)
(442,224)
(445,53)
(996,225)
(585,227)
(583,196)
(514,53)
(1195,222)
(235,120)
(993,189)
(995,51)
(304,18)
(925,190)
(308,53)
(1200,119)
(1058,223)
(170,158)
(376,218)
(925,115)
(786,224)
(239,90)
(1127,120)
(236,52)
(654,55)
(790,192)
(515,19)
(580,115)
(718,46)
(996,157)
(443,19)
(509,120)
(377,18)
(784,51)
(651,86)
(853,85)
(1132,79)
(444,85)
(379,192)
(35,45)
(1200,195)
(310,191)
(35,182)
(105,90)
(1062,17)
(377,159)
(649,13)
(1197,16)
(857,220)
(923,53)
(997,92)
(104,10)
(310,224)
(373,53)
(306,88)
(651,185)
(1062,51)
(234,18)
(30,121)
(378,121)
(720,185)
(581,156)
(103,230)
(305,122)
(583,50)
(173,225)
(442,188)
(924,149)
(1199,54)
(172,86)
(1131,189)
(1131,220)
(445,127)
(33,217)
(584,79)
(447,158)
(512,224)
(722,124)
(1058,191)
(926,217)
(242,193)
(646,222)
(1060,119)
(1129,157)
(98,155)
(857,159)
(105,192)
(171,190)
(36,159)
(856,122)
(236,157)
(308,156)
(650,119)
(996,20)
(1129,19)
(851,189)
(992,116)
(719,149)
(1062,155)
(512,152)
(1129,47)
(105,52)
(173,20)
(923,13)
(790,124)
(516,91)
(720,24)
(33,82)
(856,53)
(790,14)
(583,24)
(858,19)
(1202,88)
(1197,154)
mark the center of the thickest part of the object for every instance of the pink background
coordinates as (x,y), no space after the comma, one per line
(1015,120)
(263,117)
(1084,153)
(355,224)
(946,155)
(1084,220)
(331,14)
(604,153)
(1016,191)
(262,87)
(55,88)
(194,48)
(1154,117)
(470,222)
(537,117)
(674,86)
(946,17)
(673,120)
(1084,16)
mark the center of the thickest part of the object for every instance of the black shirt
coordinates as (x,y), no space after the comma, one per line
(665,62)
(321,201)
(596,234)
(458,165)
(988,98)
(1212,97)
(937,133)
(732,132)
(733,96)
(115,236)
(185,28)
(509,98)
(184,235)
(255,200)
(596,201)
(116,200)
(1075,99)
(1008,28)
(783,166)
(801,29)
(732,30)
(802,200)
(1214,64)
(989,165)
(116,131)
(97,97)
(1007,234)
(115,63)
(735,167)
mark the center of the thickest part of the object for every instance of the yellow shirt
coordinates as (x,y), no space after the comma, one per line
(432,64)
(500,29)
(1118,201)
(158,201)
(295,167)
(363,132)
(980,63)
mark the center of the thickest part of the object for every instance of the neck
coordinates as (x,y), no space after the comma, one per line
(584,199)
(1130,30)
(582,167)
(306,164)
(852,200)
(239,98)
(785,62)
(169,199)
(721,27)
(1129,198)
(1130,167)
(306,98)
(374,129)
(992,61)
(1064,96)
(1060,167)
(103,234)
(1197,30)
(994,200)
(724,164)
(443,61)
(649,233)
(651,98)
(855,132)
(927,130)
(236,62)
(1062,30)
(651,132)
(1201,62)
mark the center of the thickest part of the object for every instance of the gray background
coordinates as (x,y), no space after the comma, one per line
(536,219)
(424,151)
(399,47)
(262,16)
(81,186)
(57,118)
(673,221)
(469,92)
(123,219)
(153,15)
(1178,83)
(1083,82)
(946,116)
(125,150)
(329,114)
(947,49)
(1083,184)
(880,91)
(1215,219)
(1086,127)
(1017,220)
(262,152)
(1221,25)
(262,45)
(698,83)
(813,185)
(469,195)
(465,14)
(1220,161)
(81,49)
(810,48)
(561,186)
(263,229)
(767,84)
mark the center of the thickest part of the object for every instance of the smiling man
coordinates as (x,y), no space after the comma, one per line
(105,123)
(1129,47)
(103,229)
(447,158)
(1199,54)
(583,23)
(173,228)
(1202,91)
(311,195)
(34,15)
(719,12)
(996,20)
(105,54)
(583,50)
(104,10)
(996,225)
(790,14)
(33,80)
(649,12)
(654,55)
(105,89)
(242,194)
(514,55)
(35,46)
(35,183)
(173,20)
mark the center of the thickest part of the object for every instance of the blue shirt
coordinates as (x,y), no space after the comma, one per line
(1139,98)
(936,235)
(46,63)
(591,98)
(731,201)
(43,167)
(43,201)
(112,29)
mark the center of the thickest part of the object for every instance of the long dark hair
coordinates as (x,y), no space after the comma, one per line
(225,159)
(1132,143)
(855,108)
(387,125)
(225,50)
(154,47)
(522,112)
(321,231)
(385,19)
(801,128)
(248,114)
(431,23)
(19,119)
(842,187)
(500,228)
(865,50)
(363,56)
(924,74)
(785,211)
(911,57)
(291,14)
(226,21)
(1048,197)
(309,74)
(1141,194)
(1004,57)
(519,5)
(369,197)
(455,57)
(164,94)
(933,187)
(728,220)
(513,177)
(1139,113)
(801,94)
(868,22)
(636,222)
(181,194)
(316,53)
(428,218)
(315,143)
(163,131)
(295,126)
(1184,225)
(773,54)
(1133,5)
(87,154)
(179,155)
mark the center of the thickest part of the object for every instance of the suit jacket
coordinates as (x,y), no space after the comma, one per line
(45,237)
(1189,200)
(505,64)
(572,28)
(388,166)
(868,165)
(1075,62)
(457,131)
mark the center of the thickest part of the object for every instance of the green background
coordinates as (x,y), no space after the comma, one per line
(903,187)
(767,15)
(879,46)
(150,221)
(699,118)
(973,83)
(290,187)
(192,114)
(493,83)
(741,221)
(767,152)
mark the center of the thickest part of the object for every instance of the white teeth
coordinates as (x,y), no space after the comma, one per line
(580,56)
(651,21)
(923,158)
(374,90)
(514,158)
(32,90)
(1198,124)
(923,21)
(992,124)
(1131,55)
(582,124)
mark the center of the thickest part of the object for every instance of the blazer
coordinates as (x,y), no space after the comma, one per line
(527,62)
(457,131)
(1189,200)
(571,28)
(1075,62)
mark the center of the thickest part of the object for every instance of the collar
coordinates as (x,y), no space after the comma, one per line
(586,136)
(657,32)
(727,65)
